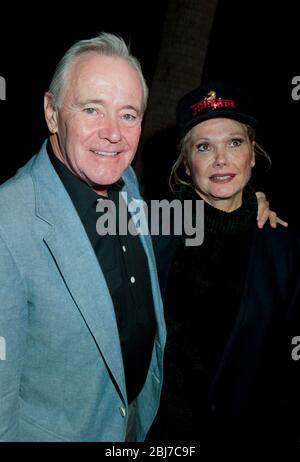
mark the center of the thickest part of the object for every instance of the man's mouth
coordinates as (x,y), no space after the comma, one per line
(106,153)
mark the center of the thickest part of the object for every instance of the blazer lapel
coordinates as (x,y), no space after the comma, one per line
(71,249)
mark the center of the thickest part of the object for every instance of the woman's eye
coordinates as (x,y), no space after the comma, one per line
(235,142)
(202,147)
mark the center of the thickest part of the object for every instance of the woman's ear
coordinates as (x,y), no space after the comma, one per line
(50,112)
(253,159)
(187,168)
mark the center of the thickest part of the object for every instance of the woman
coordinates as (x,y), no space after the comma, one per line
(232,303)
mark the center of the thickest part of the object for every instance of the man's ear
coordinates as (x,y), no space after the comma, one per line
(50,112)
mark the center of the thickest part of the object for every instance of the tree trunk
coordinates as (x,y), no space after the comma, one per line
(179,66)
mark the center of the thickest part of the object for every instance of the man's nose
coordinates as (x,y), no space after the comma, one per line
(110,129)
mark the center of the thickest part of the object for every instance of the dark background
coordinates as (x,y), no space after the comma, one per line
(256,44)
(251,43)
(32,43)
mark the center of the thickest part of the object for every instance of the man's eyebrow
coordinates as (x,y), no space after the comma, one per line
(133,108)
(101,101)
(89,101)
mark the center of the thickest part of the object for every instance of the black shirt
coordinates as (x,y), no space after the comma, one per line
(124,264)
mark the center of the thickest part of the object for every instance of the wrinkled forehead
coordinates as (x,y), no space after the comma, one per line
(92,73)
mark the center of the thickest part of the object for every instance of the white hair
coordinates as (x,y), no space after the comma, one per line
(106,44)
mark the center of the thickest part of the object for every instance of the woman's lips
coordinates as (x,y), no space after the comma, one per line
(222,178)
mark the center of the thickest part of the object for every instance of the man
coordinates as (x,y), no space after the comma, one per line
(80,313)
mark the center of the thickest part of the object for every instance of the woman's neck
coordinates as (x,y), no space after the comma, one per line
(225,204)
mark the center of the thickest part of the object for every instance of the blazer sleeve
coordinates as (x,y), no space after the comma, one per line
(13,327)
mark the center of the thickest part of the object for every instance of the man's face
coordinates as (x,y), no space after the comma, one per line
(96,130)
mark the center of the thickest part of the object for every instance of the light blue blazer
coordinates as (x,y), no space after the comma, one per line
(61,370)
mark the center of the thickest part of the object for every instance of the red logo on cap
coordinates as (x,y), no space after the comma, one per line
(212,102)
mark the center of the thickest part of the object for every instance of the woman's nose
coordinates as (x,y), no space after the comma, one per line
(220,157)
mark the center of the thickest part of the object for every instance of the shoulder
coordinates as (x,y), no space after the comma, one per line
(17,200)
(14,189)
(279,246)
(280,236)
(22,181)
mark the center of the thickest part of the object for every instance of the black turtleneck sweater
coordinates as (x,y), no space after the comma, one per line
(203,295)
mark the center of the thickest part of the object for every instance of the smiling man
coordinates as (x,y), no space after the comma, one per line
(81,312)
(95,129)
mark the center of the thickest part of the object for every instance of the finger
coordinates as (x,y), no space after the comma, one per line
(263,209)
(261,220)
(282,222)
(273,219)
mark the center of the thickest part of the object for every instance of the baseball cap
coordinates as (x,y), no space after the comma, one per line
(210,101)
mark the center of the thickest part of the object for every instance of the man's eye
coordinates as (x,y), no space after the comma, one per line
(129,117)
(90,110)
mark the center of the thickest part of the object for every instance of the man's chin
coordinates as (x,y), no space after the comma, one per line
(103,186)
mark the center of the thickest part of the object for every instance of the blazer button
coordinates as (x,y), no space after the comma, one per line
(122,411)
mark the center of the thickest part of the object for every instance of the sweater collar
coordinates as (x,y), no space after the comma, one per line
(230,223)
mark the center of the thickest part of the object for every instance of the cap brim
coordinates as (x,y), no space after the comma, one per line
(244,119)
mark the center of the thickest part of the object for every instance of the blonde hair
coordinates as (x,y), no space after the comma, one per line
(178,176)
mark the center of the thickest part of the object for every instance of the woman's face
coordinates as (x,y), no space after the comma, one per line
(219,162)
